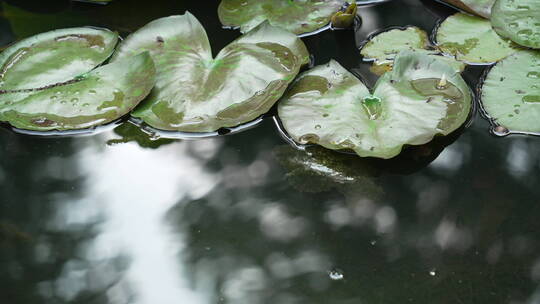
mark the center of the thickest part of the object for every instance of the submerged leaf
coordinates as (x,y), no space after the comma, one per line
(420,98)
(478,7)
(511,93)
(295,16)
(102,96)
(471,39)
(317,170)
(54,57)
(518,20)
(197,93)
(383,48)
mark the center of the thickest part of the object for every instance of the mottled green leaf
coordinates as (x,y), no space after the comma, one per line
(295,16)
(54,57)
(471,39)
(383,48)
(511,93)
(198,93)
(102,96)
(420,98)
(518,20)
(478,7)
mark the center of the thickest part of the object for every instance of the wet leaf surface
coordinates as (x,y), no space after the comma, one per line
(478,7)
(54,57)
(518,20)
(198,93)
(101,96)
(420,98)
(511,94)
(383,48)
(472,39)
(296,16)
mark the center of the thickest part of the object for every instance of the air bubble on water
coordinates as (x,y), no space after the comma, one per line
(318,127)
(336,275)
(500,131)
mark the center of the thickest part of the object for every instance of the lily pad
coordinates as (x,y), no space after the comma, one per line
(420,98)
(197,93)
(518,20)
(101,96)
(383,48)
(472,39)
(478,7)
(511,94)
(295,16)
(54,57)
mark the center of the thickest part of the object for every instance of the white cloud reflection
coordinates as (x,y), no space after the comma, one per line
(133,189)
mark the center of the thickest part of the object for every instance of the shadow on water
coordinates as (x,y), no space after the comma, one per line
(120,218)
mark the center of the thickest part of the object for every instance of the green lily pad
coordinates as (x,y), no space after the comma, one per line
(295,16)
(518,20)
(383,48)
(197,93)
(478,7)
(101,96)
(511,93)
(471,39)
(54,57)
(420,98)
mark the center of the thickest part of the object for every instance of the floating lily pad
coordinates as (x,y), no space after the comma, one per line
(511,94)
(518,20)
(54,57)
(101,96)
(420,98)
(295,16)
(478,7)
(383,48)
(197,93)
(471,39)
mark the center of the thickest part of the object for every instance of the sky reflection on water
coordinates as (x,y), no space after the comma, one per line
(117,218)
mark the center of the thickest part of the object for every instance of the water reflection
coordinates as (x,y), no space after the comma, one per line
(247,219)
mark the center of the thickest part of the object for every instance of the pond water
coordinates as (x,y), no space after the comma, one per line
(118,218)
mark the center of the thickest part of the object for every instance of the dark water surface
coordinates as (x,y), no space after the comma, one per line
(118,218)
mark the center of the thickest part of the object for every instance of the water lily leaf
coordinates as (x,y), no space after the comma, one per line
(471,39)
(511,93)
(197,93)
(102,96)
(420,98)
(295,16)
(383,48)
(478,7)
(54,57)
(518,20)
